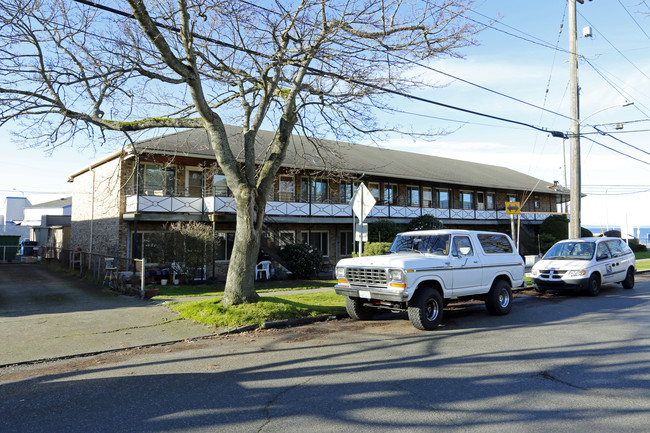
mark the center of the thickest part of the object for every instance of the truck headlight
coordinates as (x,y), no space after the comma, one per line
(578,273)
(396,278)
(340,272)
(534,273)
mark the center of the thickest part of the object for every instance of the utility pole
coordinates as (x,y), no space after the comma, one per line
(575,194)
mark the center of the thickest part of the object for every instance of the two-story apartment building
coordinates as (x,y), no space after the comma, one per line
(127,198)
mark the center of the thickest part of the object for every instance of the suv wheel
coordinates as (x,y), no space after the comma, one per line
(593,287)
(356,309)
(498,301)
(425,310)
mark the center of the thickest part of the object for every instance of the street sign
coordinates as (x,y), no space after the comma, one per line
(361,234)
(362,202)
(513,208)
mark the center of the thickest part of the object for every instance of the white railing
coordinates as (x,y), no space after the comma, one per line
(197,205)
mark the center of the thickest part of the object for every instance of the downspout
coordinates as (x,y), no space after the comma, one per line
(92,214)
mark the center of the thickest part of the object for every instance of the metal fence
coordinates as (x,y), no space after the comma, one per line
(119,273)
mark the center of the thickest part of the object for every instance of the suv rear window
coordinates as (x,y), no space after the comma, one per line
(494,243)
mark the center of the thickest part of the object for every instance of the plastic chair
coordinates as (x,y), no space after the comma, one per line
(263,267)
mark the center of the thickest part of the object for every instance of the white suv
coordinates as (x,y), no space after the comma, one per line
(426,269)
(585,264)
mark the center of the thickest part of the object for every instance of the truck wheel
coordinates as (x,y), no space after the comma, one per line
(498,301)
(628,282)
(425,311)
(593,288)
(356,309)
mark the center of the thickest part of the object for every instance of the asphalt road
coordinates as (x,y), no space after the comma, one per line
(556,363)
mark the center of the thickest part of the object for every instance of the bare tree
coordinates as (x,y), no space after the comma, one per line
(73,66)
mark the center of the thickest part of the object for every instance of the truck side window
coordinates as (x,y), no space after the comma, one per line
(462,246)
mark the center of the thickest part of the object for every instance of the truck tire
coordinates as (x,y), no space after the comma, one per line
(498,301)
(425,311)
(356,309)
(628,282)
(593,287)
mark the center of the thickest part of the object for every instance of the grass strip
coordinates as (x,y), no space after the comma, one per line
(271,308)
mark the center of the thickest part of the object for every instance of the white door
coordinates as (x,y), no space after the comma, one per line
(466,267)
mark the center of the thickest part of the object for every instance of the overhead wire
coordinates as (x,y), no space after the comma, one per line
(325,73)
(633,19)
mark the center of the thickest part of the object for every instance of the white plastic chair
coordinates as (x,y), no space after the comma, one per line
(263,268)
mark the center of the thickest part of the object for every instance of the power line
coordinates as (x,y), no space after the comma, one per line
(633,19)
(616,151)
(324,73)
(613,46)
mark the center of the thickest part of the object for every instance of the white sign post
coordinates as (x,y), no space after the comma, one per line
(362,203)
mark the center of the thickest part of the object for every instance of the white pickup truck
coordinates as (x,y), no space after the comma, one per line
(424,270)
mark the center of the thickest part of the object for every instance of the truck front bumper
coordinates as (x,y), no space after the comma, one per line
(372,293)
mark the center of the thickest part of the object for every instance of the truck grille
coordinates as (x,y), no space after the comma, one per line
(366,277)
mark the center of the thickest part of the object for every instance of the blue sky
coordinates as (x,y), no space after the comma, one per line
(518,61)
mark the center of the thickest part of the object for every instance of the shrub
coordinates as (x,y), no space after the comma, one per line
(301,259)
(383,231)
(425,222)
(376,248)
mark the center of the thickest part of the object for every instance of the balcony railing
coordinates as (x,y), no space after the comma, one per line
(198,205)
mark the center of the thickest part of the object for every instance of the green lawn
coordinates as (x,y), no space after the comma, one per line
(294,306)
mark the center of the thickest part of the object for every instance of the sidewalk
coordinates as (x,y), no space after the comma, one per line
(44,315)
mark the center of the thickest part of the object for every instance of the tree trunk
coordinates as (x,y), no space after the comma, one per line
(241,271)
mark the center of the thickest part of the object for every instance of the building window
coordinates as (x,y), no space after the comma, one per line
(157,180)
(491,201)
(314,190)
(318,240)
(427,197)
(390,194)
(288,237)
(466,200)
(480,200)
(413,196)
(347,243)
(287,189)
(511,197)
(373,187)
(537,205)
(223,245)
(347,190)
(219,185)
(442,199)
(194,183)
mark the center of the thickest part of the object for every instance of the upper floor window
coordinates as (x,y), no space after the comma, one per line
(193,182)
(373,187)
(219,186)
(442,199)
(347,190)
(286,188)
(427,197)
(466,200)
(159,180)
(413,196)
(491,201)
(390,194)
(314,190)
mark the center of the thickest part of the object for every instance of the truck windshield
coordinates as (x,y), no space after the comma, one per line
(571,251)
(438,244)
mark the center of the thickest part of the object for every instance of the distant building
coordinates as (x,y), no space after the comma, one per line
(34,214)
